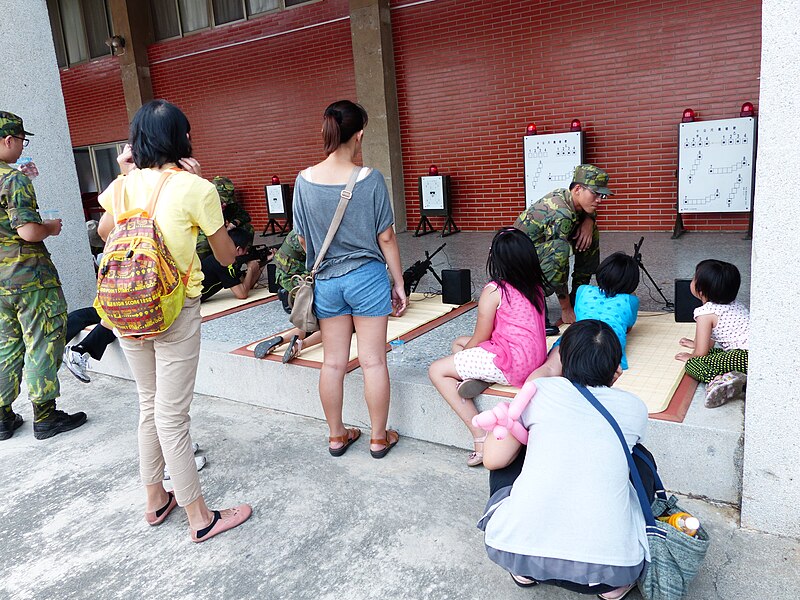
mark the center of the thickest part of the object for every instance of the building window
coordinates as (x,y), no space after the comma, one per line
(97,167)
(174,18)
(80,29)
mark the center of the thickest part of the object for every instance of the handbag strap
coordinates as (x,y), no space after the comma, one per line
(344,198)
(647,511)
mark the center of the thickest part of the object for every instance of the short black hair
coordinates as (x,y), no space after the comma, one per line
(159,135)
(590,353)
(618,274)
(717,280)
(241,237)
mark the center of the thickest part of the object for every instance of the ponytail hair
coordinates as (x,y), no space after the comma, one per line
(341,121)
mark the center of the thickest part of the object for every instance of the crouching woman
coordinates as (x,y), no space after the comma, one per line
(562,511)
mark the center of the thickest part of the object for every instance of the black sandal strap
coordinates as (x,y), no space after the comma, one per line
(203,532)
(164,508)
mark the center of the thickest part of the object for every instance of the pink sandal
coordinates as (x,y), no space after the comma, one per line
(223,520)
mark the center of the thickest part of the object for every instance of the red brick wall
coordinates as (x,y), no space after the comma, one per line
(95,102)
(471,74)
(256,108)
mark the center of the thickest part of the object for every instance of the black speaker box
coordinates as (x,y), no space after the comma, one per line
(272,283)
(685,303)
(456,286)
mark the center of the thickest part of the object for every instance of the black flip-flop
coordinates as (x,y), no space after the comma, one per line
(389,445)
(290,353)
(265,347)
(344,439)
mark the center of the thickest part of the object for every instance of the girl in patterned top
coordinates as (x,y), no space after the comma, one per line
(719,349)
(509,339)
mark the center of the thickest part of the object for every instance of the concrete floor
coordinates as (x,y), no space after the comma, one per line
(71,521)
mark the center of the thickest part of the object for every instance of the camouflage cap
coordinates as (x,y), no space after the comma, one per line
(224,189)
(11,124)
(593,178)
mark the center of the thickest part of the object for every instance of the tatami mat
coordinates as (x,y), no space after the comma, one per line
(224,303)
(653,374)
(424,312)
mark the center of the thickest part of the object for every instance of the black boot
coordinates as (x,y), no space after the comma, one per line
(47,421)
(9,422)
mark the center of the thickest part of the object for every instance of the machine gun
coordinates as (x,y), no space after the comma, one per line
(261,253)
(413,274)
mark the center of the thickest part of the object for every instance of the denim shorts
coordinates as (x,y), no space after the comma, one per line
(364,292)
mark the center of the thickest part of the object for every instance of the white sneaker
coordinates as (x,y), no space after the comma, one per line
(199,461)
(77,363)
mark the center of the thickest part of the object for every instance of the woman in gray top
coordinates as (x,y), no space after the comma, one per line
(352,286)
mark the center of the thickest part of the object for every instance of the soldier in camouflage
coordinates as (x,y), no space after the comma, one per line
(290,260)
(234,213)
(33,312)
(565,221)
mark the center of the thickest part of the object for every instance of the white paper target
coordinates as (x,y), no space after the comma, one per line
(716,165)
(433,192)
(275,200)
(550,162)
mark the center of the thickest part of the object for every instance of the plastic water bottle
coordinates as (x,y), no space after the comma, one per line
(682,521)
(396,355)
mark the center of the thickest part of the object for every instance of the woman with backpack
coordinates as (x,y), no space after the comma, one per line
(159,173)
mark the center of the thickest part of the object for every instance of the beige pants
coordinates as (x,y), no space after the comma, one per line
(164,368)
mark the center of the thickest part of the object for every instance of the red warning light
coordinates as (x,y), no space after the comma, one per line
(575,125)
(747,110)
(275,180)
(433,170)
(688,116)
(530,129)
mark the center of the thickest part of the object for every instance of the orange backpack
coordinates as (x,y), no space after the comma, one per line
(139,288)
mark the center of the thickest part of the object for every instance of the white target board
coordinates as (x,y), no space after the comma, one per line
(550,162)
(715,160)
(275,200)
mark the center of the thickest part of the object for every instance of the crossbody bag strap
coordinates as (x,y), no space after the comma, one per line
(344,198)
(647,511)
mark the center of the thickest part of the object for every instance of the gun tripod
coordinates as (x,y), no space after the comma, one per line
(637,256)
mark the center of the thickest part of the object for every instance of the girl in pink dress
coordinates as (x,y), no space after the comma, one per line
(509,339)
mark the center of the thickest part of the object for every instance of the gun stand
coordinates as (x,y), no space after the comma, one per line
(426,225)
(637,256)
(273,225)
(428,270)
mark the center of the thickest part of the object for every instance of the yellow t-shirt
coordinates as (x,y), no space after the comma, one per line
(187,204)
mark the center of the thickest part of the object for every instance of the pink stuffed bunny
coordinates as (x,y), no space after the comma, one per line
(505,416)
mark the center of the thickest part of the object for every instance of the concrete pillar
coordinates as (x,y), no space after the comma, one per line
(132,21)
(771,478)
(376,86)
(31,88)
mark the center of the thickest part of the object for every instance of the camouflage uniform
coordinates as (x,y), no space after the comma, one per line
(290,260)
(33,312)
(552,221)
(232,211)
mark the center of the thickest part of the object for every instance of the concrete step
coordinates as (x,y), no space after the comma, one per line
(700,457)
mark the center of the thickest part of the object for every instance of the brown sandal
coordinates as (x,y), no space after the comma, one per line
(388,444)
(353,433)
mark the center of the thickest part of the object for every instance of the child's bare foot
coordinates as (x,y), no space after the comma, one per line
(687,343)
